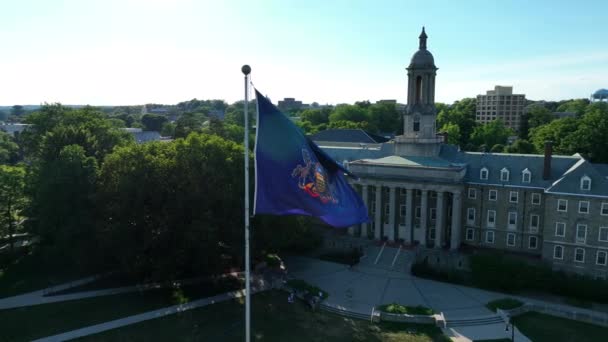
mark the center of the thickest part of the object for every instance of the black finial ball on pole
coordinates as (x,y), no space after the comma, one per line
(246,69)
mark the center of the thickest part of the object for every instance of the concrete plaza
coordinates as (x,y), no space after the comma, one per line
(362,287)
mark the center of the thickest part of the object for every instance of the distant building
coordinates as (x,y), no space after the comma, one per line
(290,103)
(142,136)
(502,104)
(12,128)
(561,115)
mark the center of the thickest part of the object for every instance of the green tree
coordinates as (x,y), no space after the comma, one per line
(62,192)
(153,122)
(521,146)
(9,150)
(12,198)
(577,106)
(384,117)
(538,116)
(344,124)
(316,116)
(490,134)
(461,114)
(349,113)
(17,110)
(591,138)
(560,132)
(168,129)
(188,123)
(453,131)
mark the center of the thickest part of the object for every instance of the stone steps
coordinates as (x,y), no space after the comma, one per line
(474,321)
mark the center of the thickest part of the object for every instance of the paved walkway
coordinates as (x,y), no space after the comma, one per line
(43,297)
(118,323)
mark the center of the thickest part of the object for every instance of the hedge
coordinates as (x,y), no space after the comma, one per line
(395,308)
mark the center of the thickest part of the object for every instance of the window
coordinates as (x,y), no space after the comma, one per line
(603,234)
(533,242)
(373,205)
(432,234)
(490,236)
(472,193)
(534,220)
(402,214)
(433,194)
(558,252)
(470,236)
(585,183)
(493,195)
(403,191)
(483,174)
(433,214)
(583,207)
(504,175)
(417,122)
(581,233)
(513,196)
(417,214)
(562,205)
(604,210)
(491,218)
(560,229)
(526,175)
(600,258)
(512,220)
(471,215)
(579,254)
(510,239)
(536,198)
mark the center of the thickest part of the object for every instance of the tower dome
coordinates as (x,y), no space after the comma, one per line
(423,58)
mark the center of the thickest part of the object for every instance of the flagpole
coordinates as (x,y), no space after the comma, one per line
(246,69)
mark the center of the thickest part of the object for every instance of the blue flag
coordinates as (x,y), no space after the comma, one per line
(295,177)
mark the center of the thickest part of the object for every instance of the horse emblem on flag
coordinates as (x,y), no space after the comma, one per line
(313,179)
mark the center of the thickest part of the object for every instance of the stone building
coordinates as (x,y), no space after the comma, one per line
(502,104)
(420,190)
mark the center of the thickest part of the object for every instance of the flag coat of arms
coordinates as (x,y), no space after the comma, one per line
(295,177)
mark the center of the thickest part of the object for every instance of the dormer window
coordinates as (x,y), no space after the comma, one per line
(504,175)
(483,174)
(585,183)
(526,175)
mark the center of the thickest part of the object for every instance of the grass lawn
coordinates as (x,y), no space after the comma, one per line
(540,328)
(25,324)
(32,272)
(273,319)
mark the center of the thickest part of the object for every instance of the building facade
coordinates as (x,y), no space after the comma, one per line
(502,104)
(422,191)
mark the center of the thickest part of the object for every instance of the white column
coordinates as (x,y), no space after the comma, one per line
(423,217)
(364,224)
(378,215)
(456,213)
(391,214)
(408,216)
(439,222)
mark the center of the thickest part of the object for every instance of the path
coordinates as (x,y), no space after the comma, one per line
(98,328)
(42,297)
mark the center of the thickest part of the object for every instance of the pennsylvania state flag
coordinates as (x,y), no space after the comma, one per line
(295,177)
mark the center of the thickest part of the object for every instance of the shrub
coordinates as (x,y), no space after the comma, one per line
(273,260)
(301,285)
(395,308)
(504,304)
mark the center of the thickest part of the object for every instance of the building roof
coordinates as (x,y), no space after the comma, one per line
(348,136)
(570,181)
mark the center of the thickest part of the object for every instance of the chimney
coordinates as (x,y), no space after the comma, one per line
(547,164)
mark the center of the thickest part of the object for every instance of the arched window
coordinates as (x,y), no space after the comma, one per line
(416,123)
(585,183)
(526,175)
(483,173)
(418,89)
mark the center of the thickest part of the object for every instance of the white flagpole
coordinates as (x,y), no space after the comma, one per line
(246,70)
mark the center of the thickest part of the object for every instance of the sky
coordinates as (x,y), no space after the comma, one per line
(128,52)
